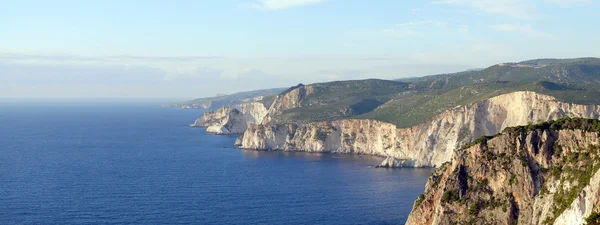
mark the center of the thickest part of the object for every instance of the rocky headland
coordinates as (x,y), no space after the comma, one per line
(426,145)
(537,174)
(232,119)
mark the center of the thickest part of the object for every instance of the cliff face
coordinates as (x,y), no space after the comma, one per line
(428,144)
(343,136)
(288,100)
(232,119)
(540,176)
(211,117)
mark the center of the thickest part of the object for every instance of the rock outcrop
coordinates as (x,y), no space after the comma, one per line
(212,117)
(232,119)
(428,144)
(292,98)
(544,174)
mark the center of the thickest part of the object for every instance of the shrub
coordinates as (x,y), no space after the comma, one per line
(419,200)
(320,135)
(480,140)
(557,149)
(513,180)
(590,125)
(593,219)
(580,176)
(556,171)
(544,190)
(450,196)
(573,156)
(473,209)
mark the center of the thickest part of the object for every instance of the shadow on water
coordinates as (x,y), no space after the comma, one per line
(354,160)
(374,160)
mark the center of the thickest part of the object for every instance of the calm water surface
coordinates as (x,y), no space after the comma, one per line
(137,163)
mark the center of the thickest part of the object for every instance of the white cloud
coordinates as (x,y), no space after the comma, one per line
(411,28)
(520,9)
(524,29)
(282,4)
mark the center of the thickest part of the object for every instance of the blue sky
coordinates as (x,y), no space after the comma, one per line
(189,49)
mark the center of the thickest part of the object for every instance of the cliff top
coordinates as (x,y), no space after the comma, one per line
(584,124)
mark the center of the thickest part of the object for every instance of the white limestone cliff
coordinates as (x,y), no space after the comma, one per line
(290,99)
(587,201)
(428,144)
(232,119)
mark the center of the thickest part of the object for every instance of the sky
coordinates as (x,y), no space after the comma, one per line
(200,48)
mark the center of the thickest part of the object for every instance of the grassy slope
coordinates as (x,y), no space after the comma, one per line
(411,101)
(220,101)
(342,99)
(573,80)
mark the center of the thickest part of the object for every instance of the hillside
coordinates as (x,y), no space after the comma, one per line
(569,80)
(331,101)
(225,100)
(537,174)
(428,144)
(412,101)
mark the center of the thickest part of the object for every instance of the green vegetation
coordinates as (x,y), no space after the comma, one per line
(436,177)
(544,190)
(320,135)
(556,171)
(412,101)
(569,80)
(575,173)
(513,180)
(267,101)
(339,99)
(419,200)
(589,125)
(450,196)
(571,168)
(593,219)
(223,100)
(576,168)
(473,209)
(480,140)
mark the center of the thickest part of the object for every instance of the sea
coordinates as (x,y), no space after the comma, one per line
(134,162)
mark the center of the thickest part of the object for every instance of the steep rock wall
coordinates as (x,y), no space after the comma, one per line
(428,144)
(290,99)
(232,119)
(535,177)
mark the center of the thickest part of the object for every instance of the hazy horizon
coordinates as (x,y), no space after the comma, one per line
(182,50)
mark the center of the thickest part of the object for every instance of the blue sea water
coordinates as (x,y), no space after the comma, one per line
(138,163)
